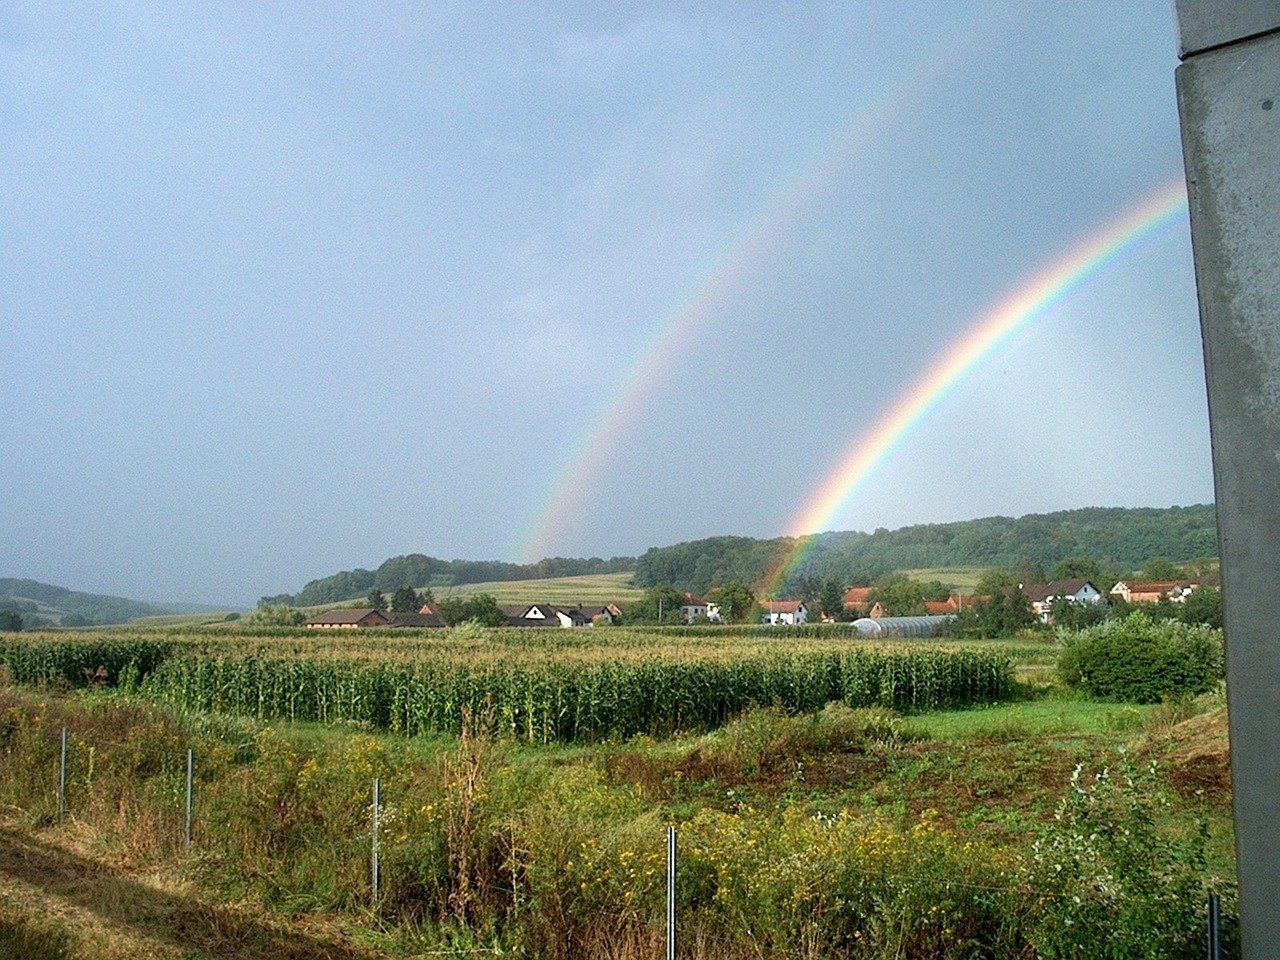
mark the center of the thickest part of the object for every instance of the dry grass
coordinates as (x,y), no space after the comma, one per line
(591,589)
(60,898)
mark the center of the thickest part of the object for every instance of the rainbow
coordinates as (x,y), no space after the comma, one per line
(1032,299)
(701,302)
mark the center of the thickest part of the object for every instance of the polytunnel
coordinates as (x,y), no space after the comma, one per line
(901,626)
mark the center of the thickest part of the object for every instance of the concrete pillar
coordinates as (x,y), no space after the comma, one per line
(1229,103)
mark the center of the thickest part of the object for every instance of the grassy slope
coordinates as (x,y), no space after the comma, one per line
(994,775)
(963,579)
(590,589)
(596,589)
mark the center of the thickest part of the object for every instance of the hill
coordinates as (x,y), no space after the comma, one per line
(593,589)
(419,570)
(42,604)
(1116,537)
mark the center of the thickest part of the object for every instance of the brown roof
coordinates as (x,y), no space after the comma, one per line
(416,620)
(781,606)
(691,601)
(345,616)
(857,596)
(1151,588)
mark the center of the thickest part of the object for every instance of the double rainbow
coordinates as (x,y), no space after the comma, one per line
(1032,299)
(703,301)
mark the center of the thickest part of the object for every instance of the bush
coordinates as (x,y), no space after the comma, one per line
(1141,660)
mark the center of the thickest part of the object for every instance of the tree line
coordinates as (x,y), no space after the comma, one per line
(1116,538)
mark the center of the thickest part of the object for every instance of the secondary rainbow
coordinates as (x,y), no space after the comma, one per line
(1032,299)
(679,329)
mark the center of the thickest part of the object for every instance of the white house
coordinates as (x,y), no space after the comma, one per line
(784,611)
(692,607)
(1042,595)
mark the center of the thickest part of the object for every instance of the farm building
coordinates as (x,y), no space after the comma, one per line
(901,626)
(1149,591)
(348,619)
(784,611)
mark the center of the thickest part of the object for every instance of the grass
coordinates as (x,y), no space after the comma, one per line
(594,589)
(949,796)
(957,578)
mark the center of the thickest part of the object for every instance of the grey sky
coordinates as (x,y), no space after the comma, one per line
(293,289)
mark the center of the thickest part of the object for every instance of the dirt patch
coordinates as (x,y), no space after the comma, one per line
(1198,758)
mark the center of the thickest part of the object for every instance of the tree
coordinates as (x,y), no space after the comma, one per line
(993,581)
(376,599)
(482,609)
(275,615)
(1006,613)
(1162,569)
(899,595)
(1080,568)
(405,600)
(659,605)
(1076,616)
(831,599)
(1203,606)
(736,602)
(10,621)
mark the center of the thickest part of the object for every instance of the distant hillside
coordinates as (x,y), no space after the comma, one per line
(417,570)
(1116,537)
(42,604)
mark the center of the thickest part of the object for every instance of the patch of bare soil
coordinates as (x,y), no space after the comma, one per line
(1197,756)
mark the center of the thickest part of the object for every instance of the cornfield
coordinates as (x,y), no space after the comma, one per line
(581,692)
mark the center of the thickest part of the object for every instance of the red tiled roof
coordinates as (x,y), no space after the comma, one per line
(857,596)
(781,606)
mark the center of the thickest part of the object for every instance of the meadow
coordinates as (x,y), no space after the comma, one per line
(833,798)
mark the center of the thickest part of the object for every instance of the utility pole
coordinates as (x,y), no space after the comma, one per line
(1229,106)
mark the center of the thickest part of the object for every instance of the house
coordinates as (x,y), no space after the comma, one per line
(1149,591)
(784,611)
(551,615)
(348,619)
(1043,595)
(692,607)
(856,598)
(953,604)
(416,620)
(532,615)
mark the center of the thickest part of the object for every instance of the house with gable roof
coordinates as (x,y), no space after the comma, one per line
(790,612)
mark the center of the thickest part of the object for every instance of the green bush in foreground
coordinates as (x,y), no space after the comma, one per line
(1141,660)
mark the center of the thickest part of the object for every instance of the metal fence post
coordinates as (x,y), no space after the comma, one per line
(190,770)
(375,864)
(62,778)
(671,893)
(1215,927)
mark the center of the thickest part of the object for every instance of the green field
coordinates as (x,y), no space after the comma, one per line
(963,579)
(589,590)
(831,800)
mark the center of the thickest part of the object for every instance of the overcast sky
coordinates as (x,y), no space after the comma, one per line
(288,288)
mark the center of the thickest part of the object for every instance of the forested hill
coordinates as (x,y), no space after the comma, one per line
(417,570)
(1119,537)
(42,604)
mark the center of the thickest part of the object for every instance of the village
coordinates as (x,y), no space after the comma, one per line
(860,603)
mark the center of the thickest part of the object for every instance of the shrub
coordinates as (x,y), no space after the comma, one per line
(1141,660)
